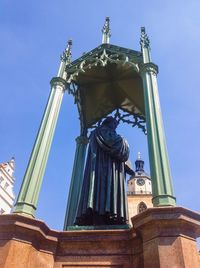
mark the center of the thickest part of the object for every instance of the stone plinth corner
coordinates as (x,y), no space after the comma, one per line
(169,237)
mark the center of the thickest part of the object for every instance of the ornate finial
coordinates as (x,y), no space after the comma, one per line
(106,31)
(139,164)
(66,56)
(65,60)
(144,40)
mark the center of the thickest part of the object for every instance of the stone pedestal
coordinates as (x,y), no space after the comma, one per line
(160,237)
(169,237)
(29,243)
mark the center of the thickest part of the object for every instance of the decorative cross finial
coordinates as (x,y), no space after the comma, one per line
(66,56)
(106,31)
(144,40)
(139,164)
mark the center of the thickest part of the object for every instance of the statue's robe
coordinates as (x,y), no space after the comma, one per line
(103,196)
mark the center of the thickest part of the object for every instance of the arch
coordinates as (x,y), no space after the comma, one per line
(141,207)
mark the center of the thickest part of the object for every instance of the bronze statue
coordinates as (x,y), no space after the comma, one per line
(103,196)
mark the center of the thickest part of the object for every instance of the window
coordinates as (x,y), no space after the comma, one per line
(142,207)
(6,186)
(1,211)
(1,179)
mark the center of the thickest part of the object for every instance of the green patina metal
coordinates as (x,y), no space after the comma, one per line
(29,192)
(105,79)
(76,181)
(159,163)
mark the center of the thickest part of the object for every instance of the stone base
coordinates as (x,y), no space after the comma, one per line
(160,237)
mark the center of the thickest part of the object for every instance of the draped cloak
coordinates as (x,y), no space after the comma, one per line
(103,190)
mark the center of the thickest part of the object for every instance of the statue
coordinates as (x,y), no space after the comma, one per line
(103,195)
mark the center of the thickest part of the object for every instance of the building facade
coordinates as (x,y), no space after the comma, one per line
(139,191)
(6,186)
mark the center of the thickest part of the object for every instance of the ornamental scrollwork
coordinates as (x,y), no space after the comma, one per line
(133,119)
(120,115)
(102,59)
(75,92)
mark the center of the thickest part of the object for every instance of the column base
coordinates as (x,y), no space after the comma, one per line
(25,209)
(164,200)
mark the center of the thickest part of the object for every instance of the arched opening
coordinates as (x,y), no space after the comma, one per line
(141,207)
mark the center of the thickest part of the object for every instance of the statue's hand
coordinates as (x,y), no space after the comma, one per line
(128,168)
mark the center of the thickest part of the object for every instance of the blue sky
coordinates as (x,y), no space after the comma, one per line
(34,34)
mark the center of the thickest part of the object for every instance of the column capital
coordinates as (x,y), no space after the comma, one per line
(149,67)
(82,140)
(58,81)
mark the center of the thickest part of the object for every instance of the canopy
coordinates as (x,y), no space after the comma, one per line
(107,78)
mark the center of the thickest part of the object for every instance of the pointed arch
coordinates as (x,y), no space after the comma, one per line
(141,207)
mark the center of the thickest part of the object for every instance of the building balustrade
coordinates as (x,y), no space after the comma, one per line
(138,192)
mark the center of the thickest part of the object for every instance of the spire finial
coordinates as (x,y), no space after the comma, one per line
(144,39)
(106,31)
(139,164)
(67,54)
(65,60)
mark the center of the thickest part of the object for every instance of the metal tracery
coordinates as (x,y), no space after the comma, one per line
(120,115)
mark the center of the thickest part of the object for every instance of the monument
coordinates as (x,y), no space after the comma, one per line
(110,84)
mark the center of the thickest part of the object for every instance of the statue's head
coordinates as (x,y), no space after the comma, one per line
(110,122)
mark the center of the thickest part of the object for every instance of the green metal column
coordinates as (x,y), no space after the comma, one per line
(76,181)
(29,192)
(159,163)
